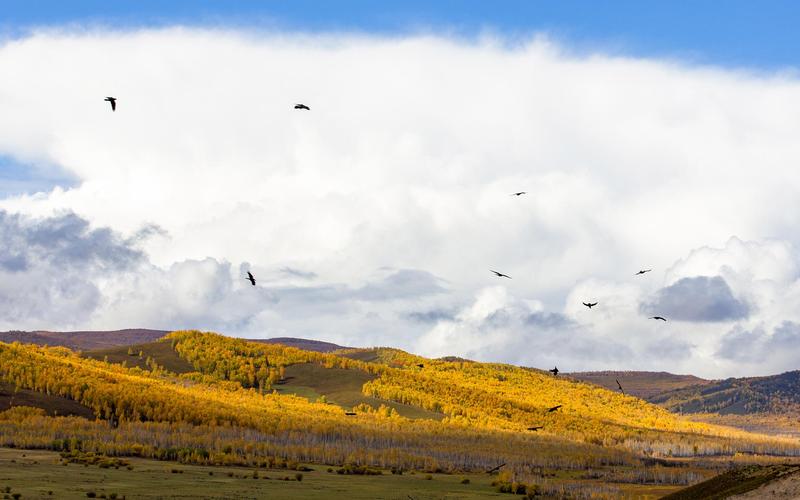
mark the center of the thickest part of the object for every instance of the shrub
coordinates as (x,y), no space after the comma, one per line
(428,477)
(298,476)
(91,494)
(465,481)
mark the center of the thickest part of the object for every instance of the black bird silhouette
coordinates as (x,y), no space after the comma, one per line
(251,278)
(658,317)
(620,387)
(535,428)
(500,275)
(495,468)
(554,371)
(421,365)
(643,271)
(551,410)
(113,101)
(302,106)
(590,304)
(350,413)
(519,193)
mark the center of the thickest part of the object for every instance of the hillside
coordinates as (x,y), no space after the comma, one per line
(776,394)
(84,340)
(207,399)
(645,385)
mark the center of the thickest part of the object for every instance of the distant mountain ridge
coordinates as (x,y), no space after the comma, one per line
(84,340)
(87,340)
(775,394)
(641,384)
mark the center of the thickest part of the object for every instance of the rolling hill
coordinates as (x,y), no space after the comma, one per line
(776,394)
(107,339)
(206,399)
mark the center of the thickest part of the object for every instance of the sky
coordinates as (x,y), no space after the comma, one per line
(662,139)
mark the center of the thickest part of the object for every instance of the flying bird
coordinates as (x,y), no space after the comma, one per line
(551,410)
(519,193)
(495,468)
(589,304)
(643,271)
(350,413)
(535,428)
(658,317)
(554,371)
(500,275)
(302,106)
(421,365)
(113,101)
(251,278)
(620,386)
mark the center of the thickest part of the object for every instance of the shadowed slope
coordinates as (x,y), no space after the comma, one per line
(643,385)
(160,352)
(11,396)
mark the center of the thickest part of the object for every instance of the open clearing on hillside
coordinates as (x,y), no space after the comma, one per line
(311,381)
(53,405)
(341,387)
(161,352)
(35,473)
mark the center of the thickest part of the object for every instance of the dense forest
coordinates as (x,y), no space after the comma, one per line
(227,411)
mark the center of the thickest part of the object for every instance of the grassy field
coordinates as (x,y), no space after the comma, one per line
(34,474)
(38,473)
(341,387)
(161,352)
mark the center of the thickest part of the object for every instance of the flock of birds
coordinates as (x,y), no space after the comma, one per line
(113,102)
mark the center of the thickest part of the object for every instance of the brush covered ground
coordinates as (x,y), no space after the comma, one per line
(210,401)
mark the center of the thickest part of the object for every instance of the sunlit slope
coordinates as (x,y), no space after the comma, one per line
(478,395)
(341,387)
(204,415)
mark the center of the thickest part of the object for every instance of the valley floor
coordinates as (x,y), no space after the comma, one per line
(35,474)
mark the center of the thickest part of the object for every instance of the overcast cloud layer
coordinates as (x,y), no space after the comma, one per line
(374,218)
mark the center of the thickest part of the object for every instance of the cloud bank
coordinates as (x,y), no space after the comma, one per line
(373,219)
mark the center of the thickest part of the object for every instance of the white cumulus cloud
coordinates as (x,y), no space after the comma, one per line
(374,218)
